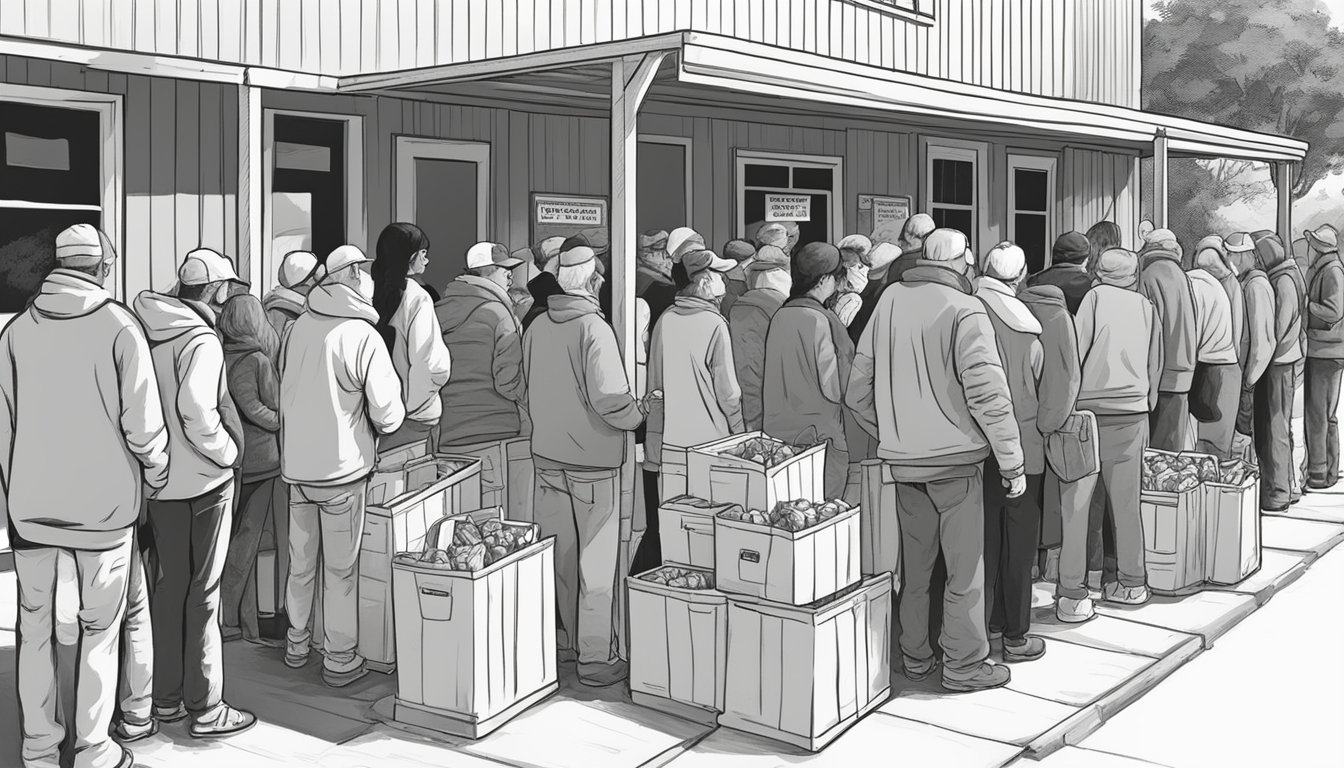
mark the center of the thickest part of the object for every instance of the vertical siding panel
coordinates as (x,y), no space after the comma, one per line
(11,18)
(187,158)
(891,43)
(270,32)
(461,26)
(494,29)
(406,15)
(876,53)
(667,14)
(120,20)
(836,19)
(602,25)
(755,19)
(162,178)
(727,15)
(165,26)
(956,67)
(519,182)
(208,18)
(564,23)
(189,28)
(822,8)
(389,34)
(211,160)
(541,24)
(1032,56)
(802,20)
(724,185)
(848,30)
(229,171)
(36,21)
(776,22)
(912,47)
(527,31)
(64,16)
(994,33)
(702,175)
(39,72)
(135,238)
(142,20)
(348,27)
(368,35)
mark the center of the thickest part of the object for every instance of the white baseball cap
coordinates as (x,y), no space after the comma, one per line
(82,244)
(204,266)
(343,256)
(490,255)
(295,267)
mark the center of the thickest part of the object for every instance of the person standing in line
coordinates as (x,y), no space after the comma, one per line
(1216,390)
(928,355)
(896,248)
(410,329)
(284,303)
(749,322)
(582,413)
(684,240)
(1120,346)
(1068,269)
(339,393)
(1274,392)
(736,281)
(1013,526)
(251,348)
(1162,282)
(653,273)
(481,400)
(1257,340)
(808,355)
(1325,357)
(1101,237)
(77,372)
(191,517)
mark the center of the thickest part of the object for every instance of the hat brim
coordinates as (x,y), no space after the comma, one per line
(1239,249)
(510,262)
(1320,244)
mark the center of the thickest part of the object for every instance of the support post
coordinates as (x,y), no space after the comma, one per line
(1283,181)
(250,256)
(1160,179)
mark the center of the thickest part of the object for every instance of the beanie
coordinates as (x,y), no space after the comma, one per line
(1117,267)
(1070,248)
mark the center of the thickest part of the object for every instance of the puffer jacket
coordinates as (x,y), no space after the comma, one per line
(1120,346)
(1061,373)
(480,401)
(1017,333)
(255,387)
(1164,284)
(1325,308)
(747,326)
(691,361)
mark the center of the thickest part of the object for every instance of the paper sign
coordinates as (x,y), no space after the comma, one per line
(887,209)
(571,212)
(788,208)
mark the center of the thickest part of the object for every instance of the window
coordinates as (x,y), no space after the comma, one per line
(1031,205)
(954,186)
(814,181)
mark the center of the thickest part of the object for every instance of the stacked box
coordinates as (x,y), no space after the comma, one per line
(1174,540)
(1232,522)
(506,474)
(678,643)
(388,480)
(789,567)
(686,530)
(803,675)
(879,524)
(713,474)
(672,481)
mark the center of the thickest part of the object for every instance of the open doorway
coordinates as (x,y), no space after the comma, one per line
(443,187)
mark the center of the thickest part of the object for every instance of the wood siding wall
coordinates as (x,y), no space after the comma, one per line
(1076,49)
(1099,186)
(180,165)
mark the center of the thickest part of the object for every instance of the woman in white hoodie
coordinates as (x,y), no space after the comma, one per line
(409,327)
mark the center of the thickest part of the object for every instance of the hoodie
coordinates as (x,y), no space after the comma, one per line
(419,355)
(1069,277)
(189,362)
(1017,334)
(338,390)
(480,401)
(747,326)
(1216,343)
(1120,346)
(582,401)
(1163,283)
(691,361)
(283,306)
(1057,395)
(1325,308)
(1284,278)
(542,287)
(255,388)
(81,431)
(1257,336)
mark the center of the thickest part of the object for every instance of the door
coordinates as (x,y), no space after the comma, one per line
(308,205)
(443,187)
(664,191)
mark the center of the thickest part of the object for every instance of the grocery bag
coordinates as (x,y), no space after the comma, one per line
(1072,451)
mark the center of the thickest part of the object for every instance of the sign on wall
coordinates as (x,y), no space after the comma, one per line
(876,210)
(788,208)
(556,215)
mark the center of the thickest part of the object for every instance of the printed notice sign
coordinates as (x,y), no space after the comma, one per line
(569,211)
(788,208)
(887,209)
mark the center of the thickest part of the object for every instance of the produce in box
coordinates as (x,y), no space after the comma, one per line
(1170,473)
(475,546)
(764,451)
(794,515)
(684,578)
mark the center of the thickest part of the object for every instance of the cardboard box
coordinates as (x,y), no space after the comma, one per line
(1174,540)
(803,675)
(686,530)
(672,473)
(789,567)
(388,480)
(1232,523)
(678,647)
(475,648)
(712,474)
(506,474)
(879,524)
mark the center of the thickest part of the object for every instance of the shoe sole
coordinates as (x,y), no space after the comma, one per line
(1075,619)
(341,682)
(126,738)
(972,688)
(296,663)
(1013,658)
(175,717)
(207,735)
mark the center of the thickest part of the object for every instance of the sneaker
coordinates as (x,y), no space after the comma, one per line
(294,659)
(127,759)
(222,721)
(336,679)
(1071,611)
(1029,648)
(127,730)
(1274,510)
(981,678)
(170,714)
(1116,593)
(567,656)
(598,675)
(916,671)
(1052,565)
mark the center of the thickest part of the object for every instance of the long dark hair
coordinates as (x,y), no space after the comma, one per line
(396,245)
(1102,237)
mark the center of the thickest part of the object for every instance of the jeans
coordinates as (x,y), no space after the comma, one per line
(944,515)
(1076,507)
(326,521)
(190,537)
(1215,437)
(102,578)
(137,659)
(578,507)
(1169,423)
(1012,532)
(258,504)
(1120,443)
(1273,435)
(1052,513)
(1322,424)
(836,473)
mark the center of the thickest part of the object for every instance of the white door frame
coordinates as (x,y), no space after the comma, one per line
(1049,164)
(975,152)
(407,149)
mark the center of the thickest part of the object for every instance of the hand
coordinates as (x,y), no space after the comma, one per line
(847,307)
(1016,486)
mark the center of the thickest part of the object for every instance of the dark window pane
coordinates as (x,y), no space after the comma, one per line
(28,250)
(1029,229)
(1031,190)
(754,212)
(818,228)
(34,157)
(965,189)
(327,188)
(955,218)
(813,178)
(776,176)
(953,182)
(662,187)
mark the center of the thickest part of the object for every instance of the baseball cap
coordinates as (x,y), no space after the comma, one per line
(698,261)
(767,258)
(203,266)
(344,256)
(81,244)
(576,256)
(1239,242)
(490,254)
(654,238)
(296,266)
(549,248)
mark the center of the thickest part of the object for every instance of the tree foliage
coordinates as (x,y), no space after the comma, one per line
(1275,66)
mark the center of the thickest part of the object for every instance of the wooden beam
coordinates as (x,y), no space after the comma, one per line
(1283,181)
(250,251)
(1160,179)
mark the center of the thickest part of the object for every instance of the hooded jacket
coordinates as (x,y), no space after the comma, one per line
(747,327)
(1070,277)
(1236,300)
(81,425)
(189,363)
(255,388)
(878,280)
(1325,308)
(1120,346)
(691,360)
(338,390)
(1163,283)
(1257,335)
(419,355)
(1057,395)
(542,287)
(1283,277)
(1017,334)
(1216,344)
(928,355)
(582,404)
(283,306)
(480,401)
(806,369)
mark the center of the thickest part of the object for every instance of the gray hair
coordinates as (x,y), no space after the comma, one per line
(577,277)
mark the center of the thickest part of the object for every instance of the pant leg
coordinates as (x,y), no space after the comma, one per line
(1273,439)
(1332,417)
(1121,442)
(1096,524)
(342,530)
(1322,424)
(1022,532)
(280,493)
(995,514)
(137,669)
(1052,511)
(240,563)
(203,664)
(649,554)
(1215,437)
(919,551)
(555,514)
(103,576)
(305,544)
(1076,518)
(1246,410)
(67,599)
(959,501)
(171,522)
(40,719)
(597,518)
(836,473)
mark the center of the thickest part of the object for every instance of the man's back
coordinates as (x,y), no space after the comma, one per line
(1117,329)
